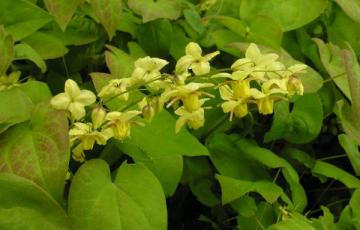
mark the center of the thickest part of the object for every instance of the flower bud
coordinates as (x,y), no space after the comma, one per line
(98,116)
(191,102)
(148,112)
(265,105)
(295,86)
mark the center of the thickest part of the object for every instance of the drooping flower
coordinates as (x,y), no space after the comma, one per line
(194,119)
(98,115)
(115,88)
(194,60)
(120,123)
(87,135)
(147,70)
(73,100)
(147,109)
(236,98)
(7,82)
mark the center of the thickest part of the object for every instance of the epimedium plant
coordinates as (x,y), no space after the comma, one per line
(112,116)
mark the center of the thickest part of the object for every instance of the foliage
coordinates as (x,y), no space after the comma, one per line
(181,114)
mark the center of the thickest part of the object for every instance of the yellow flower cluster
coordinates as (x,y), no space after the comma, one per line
(257,78)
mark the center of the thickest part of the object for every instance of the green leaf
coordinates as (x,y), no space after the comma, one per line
(155,37)
(194,20)
(134,200)
(341,30)
(151,10)
(167,168)
(280,124)
(331,171)
(233,189)
(25,52)
(11,114)
(37,91)
(38,149)
(288,13)
(179,42)
(22,18)
(349,115)
(265,30)
(295,222)
(120,64)
(46,45)
(351,8)
(326,221)
(24,205)
(331,58)
(62,10)
(354,205)
(6,50)
(351,148)
(229,161)
(109,14)
(271,160)
(305,119)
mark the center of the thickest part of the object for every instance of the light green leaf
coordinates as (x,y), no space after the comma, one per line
(11,114)
(151,10)
(194,20)
(37,91)
(351,148)
(326,221)
(24,206)
(271,160)
(351,8)
(22,18)
(120,64)
(331,171)
(109,14)
(280,124)
(305,119)
(46,45)
(62,10)
(295,222)
(6,50)
(134,200)
(167,168)
(354,205)
(288,13)
(25,52)
(233,189)
(38,149)
(331,58)
(155,37)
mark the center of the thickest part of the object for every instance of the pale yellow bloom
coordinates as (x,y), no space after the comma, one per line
(194,119)
(87,135)
(193,60)
(120,123)
(98,115)
(115,88)
(78,154)
(236,98)
(7,82)
(73,99)
(147,71)
(295,86)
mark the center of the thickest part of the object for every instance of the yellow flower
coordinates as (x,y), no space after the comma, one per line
(147,109)
(87,135)
(194,60)
(98,115)
(115,88)
(270,91)
(147,70)
(194,119)
(181,92)
(120,123)
(295,86)
(236,98)
(73,99)
(254,63)
(78,154)
(7,82)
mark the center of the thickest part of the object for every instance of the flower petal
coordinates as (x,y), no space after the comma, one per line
(86,97)
(193,49)
(200,68)
(71,88)
(60,101)
(77,110)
